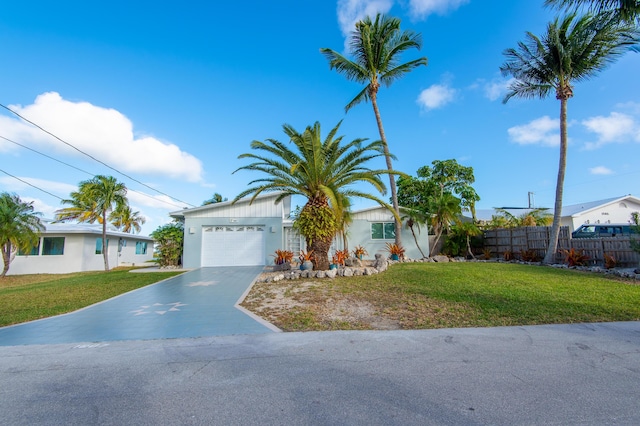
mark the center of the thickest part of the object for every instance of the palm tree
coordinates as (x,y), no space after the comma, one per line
(321,171)
(376,48)
(20,227)
(101,195)
(627,10)
(216,198)
(127,220)
(572,50)
(414,218)
(535,217)
(445,210)
(468,230)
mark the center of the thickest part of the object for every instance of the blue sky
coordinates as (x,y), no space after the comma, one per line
(172,93)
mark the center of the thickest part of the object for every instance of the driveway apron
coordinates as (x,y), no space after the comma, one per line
(195,304)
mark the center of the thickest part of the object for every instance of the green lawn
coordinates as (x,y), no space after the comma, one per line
(28,297)
(442,295)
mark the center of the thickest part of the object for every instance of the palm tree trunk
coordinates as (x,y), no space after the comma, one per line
(416,240)
(392,180)
(549,257)
(320,247)
(105,251)
(6,258)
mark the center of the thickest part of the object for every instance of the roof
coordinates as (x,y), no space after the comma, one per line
(222,204)
(86,228)
(578,209)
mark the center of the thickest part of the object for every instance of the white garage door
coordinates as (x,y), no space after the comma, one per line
(232,246)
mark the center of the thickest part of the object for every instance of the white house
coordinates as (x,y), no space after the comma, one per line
(65,248)
(242,234)
(610,210)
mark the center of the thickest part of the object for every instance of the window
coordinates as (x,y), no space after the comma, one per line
(141,247)
(33,251)
(52,246)
(99,245)
(383,231)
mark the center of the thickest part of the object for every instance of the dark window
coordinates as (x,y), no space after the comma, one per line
(52,246)
(141,247)
(383,231)
(33,251)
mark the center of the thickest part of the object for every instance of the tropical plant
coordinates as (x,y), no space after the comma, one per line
(216,198)
(283,256)
(572,50)
(393,248)
(414,218)
(610,261)
(359,252)
(575,257)
(464,231)
(323,172)
(340,256)
(20,227)
(534,217)
(445,211)
(306,256)
(376,47)
(635,230)
(530,255)
(169,240)
(126,220)
(100,195)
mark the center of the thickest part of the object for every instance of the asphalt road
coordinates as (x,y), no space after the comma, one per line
(585,374)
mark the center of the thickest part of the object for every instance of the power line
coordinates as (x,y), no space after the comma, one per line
(81,170)
(92,157)
(25,182)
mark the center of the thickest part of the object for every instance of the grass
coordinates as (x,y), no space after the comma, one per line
(29,297)
(443,295)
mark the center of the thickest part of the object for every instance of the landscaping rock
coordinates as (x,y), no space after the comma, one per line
(357,272)
(348,272)
(381,264)
(370,271)
(320,274)
(441,258)
(331,273)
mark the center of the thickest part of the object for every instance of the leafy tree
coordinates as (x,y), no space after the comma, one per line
(376,47)
(460,236)
(127,220)
(169,240)
(573,49)
(321,171)
(101,195)
(20,227)
(216,198)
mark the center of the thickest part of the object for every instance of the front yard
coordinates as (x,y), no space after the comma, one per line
(443,295)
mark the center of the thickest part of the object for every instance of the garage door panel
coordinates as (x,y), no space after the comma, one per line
(233,246)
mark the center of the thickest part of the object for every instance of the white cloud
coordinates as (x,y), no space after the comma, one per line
(600,170)
(57,188)
(541,131)
(352,11)
(436,96)
(421,9)
(496,89)
(154,201)
(616,128)
(103,133)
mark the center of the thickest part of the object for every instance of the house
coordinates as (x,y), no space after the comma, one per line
(69,247)
(611,210)
(245,233)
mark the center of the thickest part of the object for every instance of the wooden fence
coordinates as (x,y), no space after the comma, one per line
(536,238)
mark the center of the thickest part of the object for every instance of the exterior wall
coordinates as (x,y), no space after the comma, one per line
(617,212)
(274,238)
(360,234)
(79,256)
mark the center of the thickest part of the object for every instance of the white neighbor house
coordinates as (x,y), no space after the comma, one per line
(66,247)
(243,234)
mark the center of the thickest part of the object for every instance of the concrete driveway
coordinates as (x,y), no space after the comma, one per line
(198,303)
(580,374)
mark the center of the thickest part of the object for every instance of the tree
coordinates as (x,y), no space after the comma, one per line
(20,227)
(321,171)
(101,195)
(127,220)
(169,240)
(573,49)
(626,10)
(461,233)
(376,48)
(216,198)
(414,218)
(534,217)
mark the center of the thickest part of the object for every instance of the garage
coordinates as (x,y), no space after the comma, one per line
(233,245)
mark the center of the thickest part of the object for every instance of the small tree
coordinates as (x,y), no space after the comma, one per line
(20,227)
(169,240)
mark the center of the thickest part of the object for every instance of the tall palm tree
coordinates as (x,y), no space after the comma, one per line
(573,49)
(321,171)
(102,195)
(20,227)
(627,10)
(445,210)
(376,47)
(127,220)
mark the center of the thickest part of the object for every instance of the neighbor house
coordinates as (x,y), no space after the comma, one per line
(245,233)
(611,210)
(69,247)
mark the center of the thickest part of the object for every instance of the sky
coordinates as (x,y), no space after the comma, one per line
(171,93)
